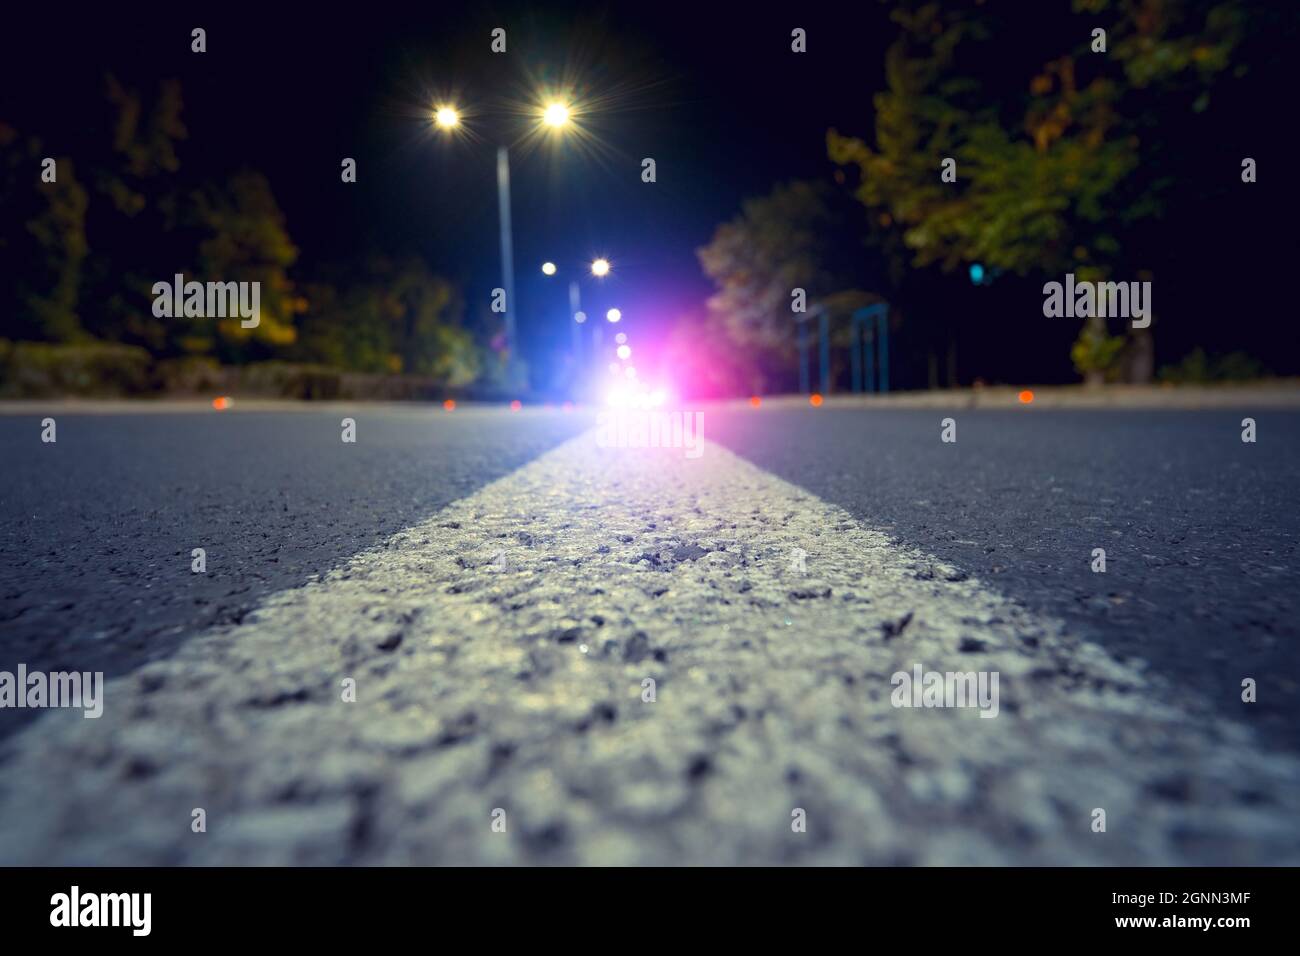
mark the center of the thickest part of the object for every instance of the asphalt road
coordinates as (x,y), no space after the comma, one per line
(1200,529)
(99,526)
(499,625)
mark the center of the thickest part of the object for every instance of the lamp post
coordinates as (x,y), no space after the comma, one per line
(575,310)
(507,255)
(599,268)
(555,115)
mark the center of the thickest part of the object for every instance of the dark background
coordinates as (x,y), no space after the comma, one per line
(712,92)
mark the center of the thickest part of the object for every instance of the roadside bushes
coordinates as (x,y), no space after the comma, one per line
(1197,368)
(40,370)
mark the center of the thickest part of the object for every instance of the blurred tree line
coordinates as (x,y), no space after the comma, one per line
(85,250)
(790,239)
(1065,162)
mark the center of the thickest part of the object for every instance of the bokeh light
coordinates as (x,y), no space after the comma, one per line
(556,114)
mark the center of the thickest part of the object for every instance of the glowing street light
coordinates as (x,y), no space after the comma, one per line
(625,352)
(614,315)
(600,268)
(556,115)
(580,317)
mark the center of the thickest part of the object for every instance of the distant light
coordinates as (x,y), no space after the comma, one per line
(447,117)
(548,268)
(580,317)
(449,405)
(815,400)
(557,114)
(620,338)
(1026,397)
(221,403)
(600,267)
(625,352)
(755,401)
(516,405)
(976,273)
(614,315)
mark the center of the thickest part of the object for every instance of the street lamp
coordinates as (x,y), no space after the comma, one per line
(599,268)
(556,115)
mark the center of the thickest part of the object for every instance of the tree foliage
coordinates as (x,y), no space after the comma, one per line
(42,241)
(85,252)
(392,317)
(789,239)
(1058,169)
(244,239)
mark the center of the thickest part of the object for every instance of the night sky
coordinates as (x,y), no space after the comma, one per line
(716,97)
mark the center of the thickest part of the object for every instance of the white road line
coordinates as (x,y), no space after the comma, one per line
(499,651)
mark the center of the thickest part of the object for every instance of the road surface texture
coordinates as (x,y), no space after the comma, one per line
(416,669)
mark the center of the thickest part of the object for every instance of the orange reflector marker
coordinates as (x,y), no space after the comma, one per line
(815,400)
(449,405)
(1026,397)
(221,403)
(755,401)
(516,405)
